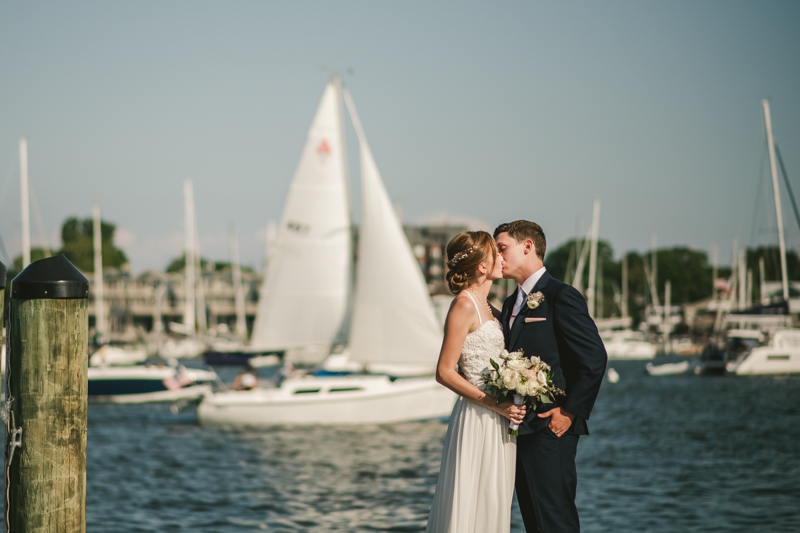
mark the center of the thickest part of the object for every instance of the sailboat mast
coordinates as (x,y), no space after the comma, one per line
(99,302)
(624,306)
(238,290)
(777,195)
(667,314)
(337,82)
(200,296)
(593,259)
(188,211)
(653,272)
(742,278)
(26,219)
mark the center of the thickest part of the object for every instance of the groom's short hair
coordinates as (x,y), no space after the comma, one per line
(522,230)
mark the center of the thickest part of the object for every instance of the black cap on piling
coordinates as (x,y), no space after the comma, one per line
(54,278)
(3,273)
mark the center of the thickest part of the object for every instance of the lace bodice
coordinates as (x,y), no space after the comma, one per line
(483,344)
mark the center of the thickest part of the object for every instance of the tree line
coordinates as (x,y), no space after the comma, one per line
(689,272)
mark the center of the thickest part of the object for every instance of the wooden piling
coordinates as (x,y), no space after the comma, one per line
(45,453)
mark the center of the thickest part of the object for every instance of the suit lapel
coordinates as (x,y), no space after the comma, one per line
(520,319)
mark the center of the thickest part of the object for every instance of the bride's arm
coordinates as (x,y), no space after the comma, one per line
(461,317)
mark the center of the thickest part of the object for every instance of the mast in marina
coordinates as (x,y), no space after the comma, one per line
(777,196)
(189,305)
(624,303)
(99,302)
(26,219)
(592,297)
(238,290)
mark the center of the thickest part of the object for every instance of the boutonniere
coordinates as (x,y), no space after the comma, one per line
(534,299)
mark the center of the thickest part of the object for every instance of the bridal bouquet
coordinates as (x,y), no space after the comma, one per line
(526,380)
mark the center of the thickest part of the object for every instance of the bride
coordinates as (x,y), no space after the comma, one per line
(476,479)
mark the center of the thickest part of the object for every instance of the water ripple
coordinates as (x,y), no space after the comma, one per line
(666,454)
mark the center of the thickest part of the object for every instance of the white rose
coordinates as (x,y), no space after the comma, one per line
(518,364)
(542,378)
(510,379)
(531,388)
(514,356)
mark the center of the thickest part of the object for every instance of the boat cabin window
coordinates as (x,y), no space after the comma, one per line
(347,389)
(778,357)
(306,391)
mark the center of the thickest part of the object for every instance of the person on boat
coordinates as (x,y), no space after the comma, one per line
(247,379)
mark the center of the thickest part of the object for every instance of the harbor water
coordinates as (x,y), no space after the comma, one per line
(677,453)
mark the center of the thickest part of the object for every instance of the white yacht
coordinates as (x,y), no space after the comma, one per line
(780,355)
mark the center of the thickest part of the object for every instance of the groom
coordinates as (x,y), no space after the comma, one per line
(549,319)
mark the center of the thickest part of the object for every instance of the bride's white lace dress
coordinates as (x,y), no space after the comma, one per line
(476,480)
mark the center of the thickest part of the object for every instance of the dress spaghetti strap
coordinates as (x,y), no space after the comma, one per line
(476,306)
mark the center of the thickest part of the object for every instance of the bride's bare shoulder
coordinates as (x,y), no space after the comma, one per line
(462,310)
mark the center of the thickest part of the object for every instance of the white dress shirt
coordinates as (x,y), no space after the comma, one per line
(522,293)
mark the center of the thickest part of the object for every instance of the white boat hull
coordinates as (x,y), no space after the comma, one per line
(330,401)
(181,348)
(629,350)
(668,369)
(768,360)
(116,356)
(146,384)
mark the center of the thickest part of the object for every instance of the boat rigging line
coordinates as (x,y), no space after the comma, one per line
(788,186)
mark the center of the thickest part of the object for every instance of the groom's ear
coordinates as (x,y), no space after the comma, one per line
(529,246)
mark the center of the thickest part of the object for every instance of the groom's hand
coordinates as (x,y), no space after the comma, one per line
(560,420)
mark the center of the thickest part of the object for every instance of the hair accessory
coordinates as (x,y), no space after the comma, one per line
(459,256)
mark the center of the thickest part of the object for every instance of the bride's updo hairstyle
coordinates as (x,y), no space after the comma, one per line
(465,252)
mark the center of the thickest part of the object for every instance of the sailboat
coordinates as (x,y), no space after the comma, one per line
(393,331)
(619,340)
(781,353)
(188,345)
(107,354)
(303,300)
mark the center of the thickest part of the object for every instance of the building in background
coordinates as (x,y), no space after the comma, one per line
(139,304)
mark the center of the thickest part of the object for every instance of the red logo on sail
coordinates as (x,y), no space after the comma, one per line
(323,151)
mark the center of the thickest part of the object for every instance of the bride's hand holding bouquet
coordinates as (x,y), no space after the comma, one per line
(528,381)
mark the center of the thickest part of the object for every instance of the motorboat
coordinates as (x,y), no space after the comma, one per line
(148,383)
(780,355)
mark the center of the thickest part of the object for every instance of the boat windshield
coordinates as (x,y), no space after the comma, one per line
(740,347)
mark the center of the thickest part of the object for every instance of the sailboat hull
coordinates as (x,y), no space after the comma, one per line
(330,401)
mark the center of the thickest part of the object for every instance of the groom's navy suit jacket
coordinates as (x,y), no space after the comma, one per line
(565,337)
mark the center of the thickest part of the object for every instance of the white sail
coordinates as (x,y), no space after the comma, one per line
(394,327)
(303,300)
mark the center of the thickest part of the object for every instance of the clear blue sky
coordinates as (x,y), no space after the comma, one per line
(482,111)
